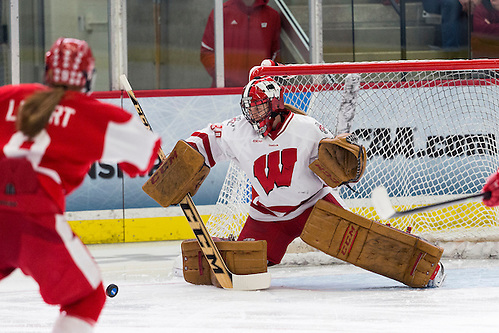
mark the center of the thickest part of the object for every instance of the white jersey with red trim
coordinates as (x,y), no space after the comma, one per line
(277,165)
(81,130)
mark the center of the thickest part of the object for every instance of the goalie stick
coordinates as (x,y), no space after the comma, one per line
(385,210)
(224,276)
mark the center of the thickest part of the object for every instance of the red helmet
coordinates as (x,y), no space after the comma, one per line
(266,93)
(69,62)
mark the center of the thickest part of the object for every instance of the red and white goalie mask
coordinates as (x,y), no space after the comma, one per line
(70,62)
(260,100)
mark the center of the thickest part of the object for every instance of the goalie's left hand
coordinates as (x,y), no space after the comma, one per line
(341,160)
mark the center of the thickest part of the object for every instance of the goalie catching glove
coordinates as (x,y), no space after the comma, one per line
(341,160)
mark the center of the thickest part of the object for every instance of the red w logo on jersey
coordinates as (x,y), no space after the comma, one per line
(275,168)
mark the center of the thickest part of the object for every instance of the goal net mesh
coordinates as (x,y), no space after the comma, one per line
(430,129)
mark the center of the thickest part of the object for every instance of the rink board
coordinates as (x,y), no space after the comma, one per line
(103,209)
(150,224)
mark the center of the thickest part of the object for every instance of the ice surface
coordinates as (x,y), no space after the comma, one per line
(326,298)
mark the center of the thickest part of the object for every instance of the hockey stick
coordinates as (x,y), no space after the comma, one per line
(224,276)
(385,210)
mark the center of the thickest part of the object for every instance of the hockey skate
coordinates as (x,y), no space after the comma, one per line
(438,278)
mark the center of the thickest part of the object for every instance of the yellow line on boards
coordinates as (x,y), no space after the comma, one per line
(133,229)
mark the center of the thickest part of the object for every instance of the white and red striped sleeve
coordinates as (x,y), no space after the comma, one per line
(120,146)
(210,143)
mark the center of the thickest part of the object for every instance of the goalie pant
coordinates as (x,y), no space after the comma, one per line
(37,174)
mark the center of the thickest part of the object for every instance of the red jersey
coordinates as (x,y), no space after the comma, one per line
(486,22)
(81,130)
(251,34)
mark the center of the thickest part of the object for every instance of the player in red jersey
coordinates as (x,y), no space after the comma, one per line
(49,137)
(492,186)
(251,33)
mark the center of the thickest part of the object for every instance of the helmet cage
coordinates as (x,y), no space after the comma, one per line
(260,98)
(258,114)
(255,110)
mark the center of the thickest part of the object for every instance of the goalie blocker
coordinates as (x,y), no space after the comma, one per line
(182,172)
(372,246)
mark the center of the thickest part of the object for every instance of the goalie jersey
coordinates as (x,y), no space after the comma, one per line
(277,165)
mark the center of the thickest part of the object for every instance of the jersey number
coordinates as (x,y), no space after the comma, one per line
(275,168)
(19,146)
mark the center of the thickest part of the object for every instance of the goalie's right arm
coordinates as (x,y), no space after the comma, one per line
(182,172)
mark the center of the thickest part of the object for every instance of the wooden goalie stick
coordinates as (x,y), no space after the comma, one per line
(224,276)
(385,210)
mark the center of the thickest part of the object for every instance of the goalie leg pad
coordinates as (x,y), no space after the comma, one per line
(371,245)
(242,258)
(182,172)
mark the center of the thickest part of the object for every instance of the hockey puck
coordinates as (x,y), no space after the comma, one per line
(112,290)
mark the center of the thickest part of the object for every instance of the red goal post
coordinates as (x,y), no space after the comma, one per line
(430,128)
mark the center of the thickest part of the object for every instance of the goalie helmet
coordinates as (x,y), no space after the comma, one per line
(260,101)
(70,62)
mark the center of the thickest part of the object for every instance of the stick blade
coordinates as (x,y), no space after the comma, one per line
(381,203)
(251,281)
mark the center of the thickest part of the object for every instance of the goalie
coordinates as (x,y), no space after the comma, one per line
(293,163)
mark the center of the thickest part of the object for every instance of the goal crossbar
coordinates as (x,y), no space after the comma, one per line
(378,67)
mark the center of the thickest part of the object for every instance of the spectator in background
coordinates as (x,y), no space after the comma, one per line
(485,36)
(251,33)
(469,5)
(454,20)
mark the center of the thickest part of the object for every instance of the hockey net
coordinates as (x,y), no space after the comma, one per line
(430,129)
